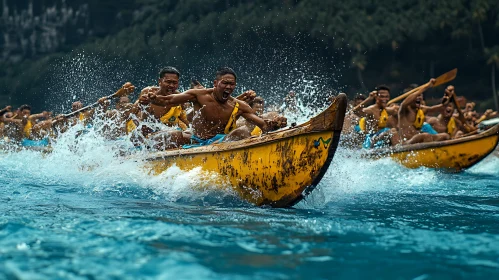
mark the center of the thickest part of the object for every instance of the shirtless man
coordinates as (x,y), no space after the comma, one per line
(247,96)
(380,120)
(29,120)
(169,115)
(23,126)
(446,123)
(412,126)
(3,112)
(216,113)
(83,117)
(115,120)
(359,98)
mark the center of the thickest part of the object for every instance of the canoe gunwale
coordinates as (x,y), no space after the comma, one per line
(429,145)
(329,122)
(309,127)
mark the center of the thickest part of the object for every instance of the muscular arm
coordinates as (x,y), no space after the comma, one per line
(37,116)
(12,120)
(249,115)
(265,125)
(433,109)
(359,110)
(46,124)
(256,120)
(433,121)
(410,99)
(3,111)
(393,110)
(177,99)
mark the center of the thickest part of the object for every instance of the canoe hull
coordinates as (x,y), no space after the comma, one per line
(453,158)
(277,169)
(452,155)
(273,174)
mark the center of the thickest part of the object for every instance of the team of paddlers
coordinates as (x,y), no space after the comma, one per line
(198,116)
(386,123)
(202,116)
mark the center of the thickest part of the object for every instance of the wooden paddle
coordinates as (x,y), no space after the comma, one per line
(126,89)
(461,115)
(470,133)
(458,108)
(363,103)
(447,77)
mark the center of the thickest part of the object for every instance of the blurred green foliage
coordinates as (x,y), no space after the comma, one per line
(396,42)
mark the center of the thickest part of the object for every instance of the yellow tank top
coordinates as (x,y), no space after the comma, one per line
(81,117)
(231,124)
(420,118)
(451,126)
(256,131)
(130,126)
(27,129)
(362,124)
(383,119)
(171,117)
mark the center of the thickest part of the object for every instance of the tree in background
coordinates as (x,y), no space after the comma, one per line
(355,43)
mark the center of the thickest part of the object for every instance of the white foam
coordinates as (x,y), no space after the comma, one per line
(488,165)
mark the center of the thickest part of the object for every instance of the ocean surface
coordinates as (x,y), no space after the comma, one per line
(85,213)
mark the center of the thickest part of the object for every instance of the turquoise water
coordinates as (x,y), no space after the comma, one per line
(86,213)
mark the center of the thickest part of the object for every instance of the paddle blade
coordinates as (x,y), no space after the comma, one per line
(445,78)
(442,79)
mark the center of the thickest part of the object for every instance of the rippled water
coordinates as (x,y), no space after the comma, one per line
(84,213)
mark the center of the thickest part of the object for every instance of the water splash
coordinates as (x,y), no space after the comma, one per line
(98,164)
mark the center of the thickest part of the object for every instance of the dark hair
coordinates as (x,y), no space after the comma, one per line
(23,107)
(3,113)
(224,71)
(359,97)
(383,87)
(168,70)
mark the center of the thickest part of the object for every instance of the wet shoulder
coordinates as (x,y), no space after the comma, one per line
(149,89)
(243,106)
(370,109)
(433,121)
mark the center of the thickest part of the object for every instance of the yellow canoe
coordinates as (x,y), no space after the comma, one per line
(451,155)
(277,169)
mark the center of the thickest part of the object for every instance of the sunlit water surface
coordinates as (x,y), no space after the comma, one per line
(84,212)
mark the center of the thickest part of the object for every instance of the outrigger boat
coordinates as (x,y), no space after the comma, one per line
(452,155)
(277,169)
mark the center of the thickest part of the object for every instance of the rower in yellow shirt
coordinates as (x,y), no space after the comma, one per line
(377,120)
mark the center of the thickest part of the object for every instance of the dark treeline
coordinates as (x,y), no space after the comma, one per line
(275,45)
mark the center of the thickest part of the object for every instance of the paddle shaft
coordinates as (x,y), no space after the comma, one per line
(442,79)
(461,115)
(470,133)
(362,104)
(124,90)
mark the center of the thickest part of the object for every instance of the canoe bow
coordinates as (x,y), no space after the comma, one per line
(277,169)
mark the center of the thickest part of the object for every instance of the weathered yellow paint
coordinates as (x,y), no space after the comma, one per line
(275,169)
(274,173)
(452,155)
(455,157)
